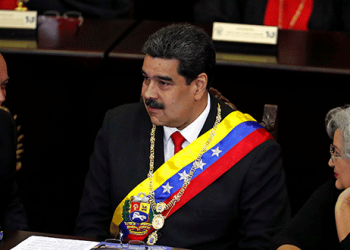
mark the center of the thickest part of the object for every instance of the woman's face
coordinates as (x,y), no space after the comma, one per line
(340,162)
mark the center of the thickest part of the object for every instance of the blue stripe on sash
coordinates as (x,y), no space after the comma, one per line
(237,134)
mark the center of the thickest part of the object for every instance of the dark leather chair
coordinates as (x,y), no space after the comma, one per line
(270,114)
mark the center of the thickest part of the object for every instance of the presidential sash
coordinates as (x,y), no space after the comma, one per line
(235,137)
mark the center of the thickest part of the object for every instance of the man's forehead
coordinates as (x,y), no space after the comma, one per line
(160,77)
(161,66)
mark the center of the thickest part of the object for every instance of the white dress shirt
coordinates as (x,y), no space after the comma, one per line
(190,133)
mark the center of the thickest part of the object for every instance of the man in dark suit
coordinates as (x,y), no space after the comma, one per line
(12,214)
(224,190)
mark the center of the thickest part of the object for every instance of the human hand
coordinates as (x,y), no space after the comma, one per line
(344,198)
(342,214)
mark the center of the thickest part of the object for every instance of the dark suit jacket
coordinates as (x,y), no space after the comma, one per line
(314,226)
(330,15)
(12,215)
(244,207)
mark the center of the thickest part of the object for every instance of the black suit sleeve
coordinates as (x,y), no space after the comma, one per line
(110,177)
(12,214)
(264,200)
(313,227)
(95,207)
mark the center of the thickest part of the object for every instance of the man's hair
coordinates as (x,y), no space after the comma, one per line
(187,43)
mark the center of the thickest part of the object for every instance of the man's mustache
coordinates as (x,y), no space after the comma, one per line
(154,104)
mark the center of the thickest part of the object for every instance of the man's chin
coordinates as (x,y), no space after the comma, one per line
(155,120)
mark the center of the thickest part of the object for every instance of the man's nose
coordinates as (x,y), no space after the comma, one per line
(150,91)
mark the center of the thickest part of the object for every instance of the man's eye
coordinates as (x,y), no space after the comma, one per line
(163,83)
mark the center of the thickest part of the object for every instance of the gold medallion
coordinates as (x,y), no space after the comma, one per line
(160,207)
(158,221)
(152,238)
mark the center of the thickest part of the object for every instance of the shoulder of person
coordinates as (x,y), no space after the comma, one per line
(6,117)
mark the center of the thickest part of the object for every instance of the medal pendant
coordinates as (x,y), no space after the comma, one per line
(152,238)
(160,207)
(158,221)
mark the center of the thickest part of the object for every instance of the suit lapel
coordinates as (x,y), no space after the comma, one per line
(209,123)
(159,148)
(158,145)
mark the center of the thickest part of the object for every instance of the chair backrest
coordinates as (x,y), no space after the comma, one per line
(270,115)
(270,119)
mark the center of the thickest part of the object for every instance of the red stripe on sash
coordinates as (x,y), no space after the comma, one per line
(222,165)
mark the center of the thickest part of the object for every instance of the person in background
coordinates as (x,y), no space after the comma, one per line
(12,213)
(182,168)
(8,4)
(328,15)
(324,220)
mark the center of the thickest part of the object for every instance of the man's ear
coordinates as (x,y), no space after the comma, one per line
(200,86)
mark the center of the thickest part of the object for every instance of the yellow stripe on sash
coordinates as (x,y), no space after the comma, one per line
(183,158)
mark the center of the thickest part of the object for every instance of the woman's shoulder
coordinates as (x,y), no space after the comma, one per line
(326,193)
